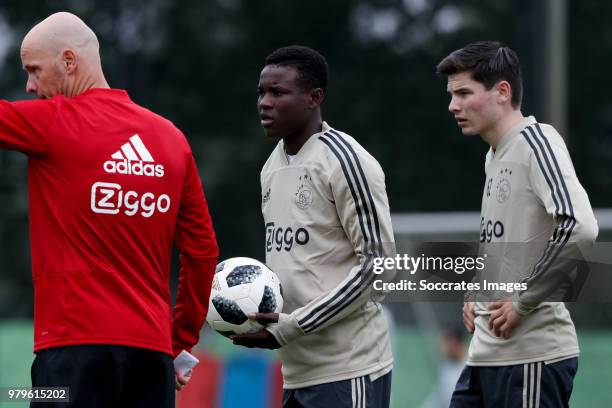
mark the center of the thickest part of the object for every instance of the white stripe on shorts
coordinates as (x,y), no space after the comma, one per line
(538,383)
(525,375)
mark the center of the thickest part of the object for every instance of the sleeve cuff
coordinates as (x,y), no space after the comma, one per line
(286,330)
(177,348)
(520,307)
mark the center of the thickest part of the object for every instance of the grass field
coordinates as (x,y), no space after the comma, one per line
(413,374)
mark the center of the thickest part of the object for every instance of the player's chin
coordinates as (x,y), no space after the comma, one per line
(468,131)
(272,131)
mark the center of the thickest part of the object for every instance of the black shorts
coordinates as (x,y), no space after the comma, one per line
(357,392)
(102,376)
(534,385)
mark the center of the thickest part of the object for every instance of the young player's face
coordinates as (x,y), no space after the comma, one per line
(45,77)
(475,108)
(284,105)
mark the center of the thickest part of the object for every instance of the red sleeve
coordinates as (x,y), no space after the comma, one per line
(197,245)
(24,125)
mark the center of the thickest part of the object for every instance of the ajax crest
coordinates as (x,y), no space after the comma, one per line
(503,187)
(303,195)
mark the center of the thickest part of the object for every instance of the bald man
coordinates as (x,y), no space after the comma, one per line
(111,187)
(61,56)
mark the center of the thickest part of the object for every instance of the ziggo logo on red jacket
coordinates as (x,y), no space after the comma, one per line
(109,198)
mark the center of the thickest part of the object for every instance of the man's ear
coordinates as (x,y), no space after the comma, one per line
(505,91)
(317,96)
(69,60)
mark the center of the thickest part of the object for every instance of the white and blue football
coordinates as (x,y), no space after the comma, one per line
(242,286)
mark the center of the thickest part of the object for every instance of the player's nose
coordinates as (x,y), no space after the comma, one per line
(265,101)
(31,85)
(453,106)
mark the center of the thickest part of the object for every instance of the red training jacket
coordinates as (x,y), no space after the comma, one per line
(111,187)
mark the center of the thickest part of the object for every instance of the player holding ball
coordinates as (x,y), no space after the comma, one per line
(327,217)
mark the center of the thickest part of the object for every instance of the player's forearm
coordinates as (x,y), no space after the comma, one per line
(195,281)
(553,276)
(289,327)
(328,308)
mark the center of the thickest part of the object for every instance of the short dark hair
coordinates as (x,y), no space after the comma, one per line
(310,64)
(489,62)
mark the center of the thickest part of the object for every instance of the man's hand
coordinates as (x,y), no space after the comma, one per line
(468,316)
(262,338)
(182,380)
(504,319)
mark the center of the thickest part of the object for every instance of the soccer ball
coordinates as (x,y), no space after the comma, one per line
(242,286)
